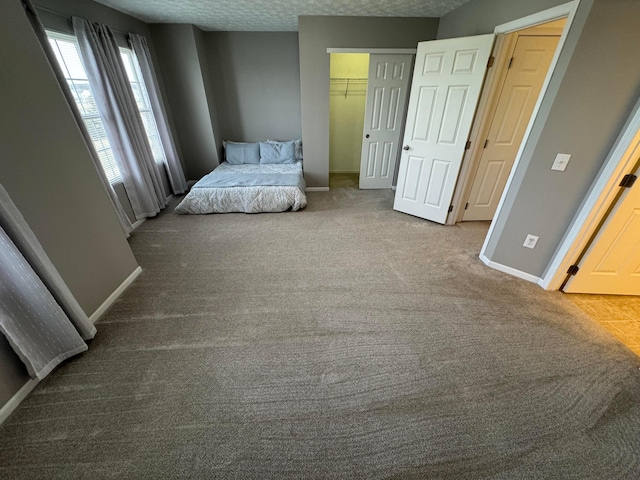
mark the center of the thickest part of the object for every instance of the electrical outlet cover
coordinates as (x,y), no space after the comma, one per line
(530,241)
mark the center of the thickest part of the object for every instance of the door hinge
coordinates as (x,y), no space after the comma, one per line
(486,142)
(628,180)
(467,145)
(573,269)
(510,63)
(490,62)
(466,206)
(450,208)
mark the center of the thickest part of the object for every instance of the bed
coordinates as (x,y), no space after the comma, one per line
(256,177)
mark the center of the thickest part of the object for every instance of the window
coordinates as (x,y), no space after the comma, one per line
(66,50)
(67,53)
(144,106)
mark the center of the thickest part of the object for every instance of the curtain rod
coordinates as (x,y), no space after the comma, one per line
(66,16)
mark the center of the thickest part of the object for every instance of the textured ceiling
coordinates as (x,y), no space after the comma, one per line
(272,15)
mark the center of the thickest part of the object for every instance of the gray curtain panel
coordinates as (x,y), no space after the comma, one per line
(42,36)
(174,168)
(38,314)
(121,117)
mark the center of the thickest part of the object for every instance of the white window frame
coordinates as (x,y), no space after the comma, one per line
(101,144)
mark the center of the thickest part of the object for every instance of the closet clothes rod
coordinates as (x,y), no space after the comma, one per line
(348,80)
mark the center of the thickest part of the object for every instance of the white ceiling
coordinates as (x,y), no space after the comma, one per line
(272,15)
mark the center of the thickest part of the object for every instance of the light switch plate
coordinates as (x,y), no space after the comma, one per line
(561,161)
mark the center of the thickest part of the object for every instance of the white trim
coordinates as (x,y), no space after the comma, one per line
(8,408)
(114,296)
(393,187)
(384,51)
(344,171)
(620,161)
(317,189)
(137,223)
(510,270)
(568,10)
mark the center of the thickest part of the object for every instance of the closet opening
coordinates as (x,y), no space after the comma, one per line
(367,113)
(347,100)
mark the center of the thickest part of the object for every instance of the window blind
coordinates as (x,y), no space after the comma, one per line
(65,48)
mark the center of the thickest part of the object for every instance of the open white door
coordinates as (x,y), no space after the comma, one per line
(386,102)
(446,86)
(611,265)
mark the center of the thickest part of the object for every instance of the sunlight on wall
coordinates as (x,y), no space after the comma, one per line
(347,103)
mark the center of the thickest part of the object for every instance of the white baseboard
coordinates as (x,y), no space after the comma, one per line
(511,271)
(8,408)
(344,171)
(114,296)
(317,189)
(137,224)
(393,187)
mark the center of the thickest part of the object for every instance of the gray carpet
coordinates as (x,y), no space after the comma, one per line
(342,341)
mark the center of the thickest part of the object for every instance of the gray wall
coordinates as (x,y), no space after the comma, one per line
(481,16)
(590,96)
(316,34)
(184,68)
(46,169)
(256,78)
(207,79)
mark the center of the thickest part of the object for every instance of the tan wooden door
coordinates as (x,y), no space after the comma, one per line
(530,63)
(611,265)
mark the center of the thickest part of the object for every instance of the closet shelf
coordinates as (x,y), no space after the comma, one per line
(350,81)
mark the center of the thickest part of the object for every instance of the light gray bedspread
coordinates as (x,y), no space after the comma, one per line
(247,188)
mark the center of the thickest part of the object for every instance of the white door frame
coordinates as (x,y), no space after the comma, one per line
(619,162)
(566,10)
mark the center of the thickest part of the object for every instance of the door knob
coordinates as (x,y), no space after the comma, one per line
(406,147)
(366,136)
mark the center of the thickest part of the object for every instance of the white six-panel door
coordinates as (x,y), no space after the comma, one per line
(447,80)
(384,112)
(529,65)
